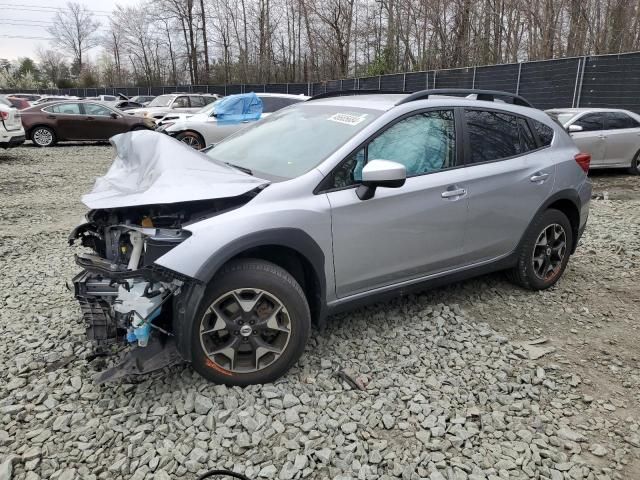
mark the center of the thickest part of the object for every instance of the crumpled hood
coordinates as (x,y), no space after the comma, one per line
(152,168)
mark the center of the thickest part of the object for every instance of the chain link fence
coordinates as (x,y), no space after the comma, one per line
(611,81)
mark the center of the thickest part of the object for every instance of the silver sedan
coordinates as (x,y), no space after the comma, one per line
(611,136)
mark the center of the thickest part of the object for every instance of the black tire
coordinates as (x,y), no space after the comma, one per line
(634,169)
(526,273)
(138,128)
(275,283)
(43,136)
(192,139)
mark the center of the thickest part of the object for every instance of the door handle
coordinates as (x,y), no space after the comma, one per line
(90,118)
(453,193)
(52,117)
(539,177)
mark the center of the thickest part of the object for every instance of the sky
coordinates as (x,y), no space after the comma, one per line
(23,23)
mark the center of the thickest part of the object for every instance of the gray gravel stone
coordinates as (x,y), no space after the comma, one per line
(446,395)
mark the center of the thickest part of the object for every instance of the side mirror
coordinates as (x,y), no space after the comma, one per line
(380,173)
(574,128)
(114,115)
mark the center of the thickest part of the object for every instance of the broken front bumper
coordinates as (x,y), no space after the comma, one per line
(120,306)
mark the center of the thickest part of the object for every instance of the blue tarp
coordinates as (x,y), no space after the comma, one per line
(239,108)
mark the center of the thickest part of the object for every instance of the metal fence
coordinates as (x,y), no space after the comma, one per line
(592,81)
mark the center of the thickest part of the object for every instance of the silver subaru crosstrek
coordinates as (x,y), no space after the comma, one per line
(225,260)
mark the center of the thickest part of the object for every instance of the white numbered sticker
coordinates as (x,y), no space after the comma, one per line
(348,118)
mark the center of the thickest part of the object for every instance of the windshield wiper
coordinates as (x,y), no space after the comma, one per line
(242,169)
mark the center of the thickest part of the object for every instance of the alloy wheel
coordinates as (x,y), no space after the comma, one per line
(245,330)
(549,252)
(193,142)
(42,137)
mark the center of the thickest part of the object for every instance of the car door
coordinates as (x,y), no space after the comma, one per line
(510,174)
(100,125)
(591,138)
(67,121)
(622,138)
(401,233)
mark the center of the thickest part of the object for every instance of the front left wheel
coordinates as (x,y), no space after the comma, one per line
(252,324)
(192,139)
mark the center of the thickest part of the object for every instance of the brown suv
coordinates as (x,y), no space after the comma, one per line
(54,122)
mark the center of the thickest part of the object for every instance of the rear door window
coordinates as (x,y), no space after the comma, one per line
(619,120)
(496,135)
(65,108)
(96,110)
(591,122)
(197,101)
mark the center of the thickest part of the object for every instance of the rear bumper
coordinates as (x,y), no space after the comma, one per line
(12,142)
(584,192)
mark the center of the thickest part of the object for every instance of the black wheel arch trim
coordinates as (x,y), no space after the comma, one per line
(186,306)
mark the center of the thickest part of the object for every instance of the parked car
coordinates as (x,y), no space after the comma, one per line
(109,100)
(175,116)
(54,122)
(143,100)
(180,102)
(209,126)
(47,99)
(611,136)
(11,130)
(19,103)
(319,207)
(127,105)
(31,97)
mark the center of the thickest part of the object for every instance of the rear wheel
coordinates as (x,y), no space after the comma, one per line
(634,169)
(43,136)
(251,326)
(543,256)
(192,139)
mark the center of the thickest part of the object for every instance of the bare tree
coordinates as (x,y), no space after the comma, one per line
(75,30)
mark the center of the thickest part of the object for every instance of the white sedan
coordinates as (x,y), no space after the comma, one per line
(611,136)
(205,127)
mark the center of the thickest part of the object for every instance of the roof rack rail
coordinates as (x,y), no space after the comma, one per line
(344,93)
(486,95)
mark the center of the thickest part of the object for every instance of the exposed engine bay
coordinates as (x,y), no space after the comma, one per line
(125,298)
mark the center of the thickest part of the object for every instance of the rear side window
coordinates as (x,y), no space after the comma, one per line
(591,122)
(619,120)
(496,135)
(545,133)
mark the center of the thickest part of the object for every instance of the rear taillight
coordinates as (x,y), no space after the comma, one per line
(4,115)
(583,160)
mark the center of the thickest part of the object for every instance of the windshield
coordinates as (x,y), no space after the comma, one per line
(561,117)
(208,108)
(294,140)
(161,101)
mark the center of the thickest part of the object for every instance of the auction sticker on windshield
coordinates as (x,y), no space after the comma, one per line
(348,118)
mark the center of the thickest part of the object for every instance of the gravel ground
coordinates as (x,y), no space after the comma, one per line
(479,380)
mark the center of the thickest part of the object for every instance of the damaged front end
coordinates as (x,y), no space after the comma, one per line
(124,296)
(140,210)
